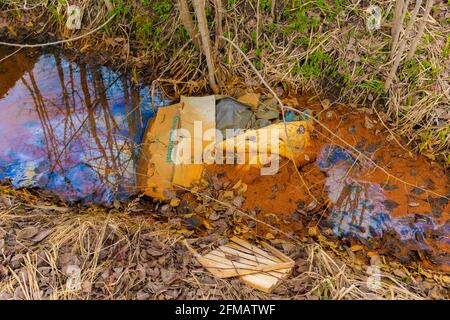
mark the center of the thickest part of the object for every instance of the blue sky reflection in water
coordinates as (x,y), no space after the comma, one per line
(72,129)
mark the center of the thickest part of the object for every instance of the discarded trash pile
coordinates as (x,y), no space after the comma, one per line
(351,180)
(186,136)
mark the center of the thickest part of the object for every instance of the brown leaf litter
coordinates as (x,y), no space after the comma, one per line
(124,254)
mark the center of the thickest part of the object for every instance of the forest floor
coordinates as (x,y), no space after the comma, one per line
(135,251)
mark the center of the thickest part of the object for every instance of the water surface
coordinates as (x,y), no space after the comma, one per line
(73,129)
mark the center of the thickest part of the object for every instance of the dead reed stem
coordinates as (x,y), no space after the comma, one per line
(402,47)
(188,23)
(399,16)
(199,7)
(421,29)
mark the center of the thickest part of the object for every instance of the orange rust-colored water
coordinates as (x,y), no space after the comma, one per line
(413,185)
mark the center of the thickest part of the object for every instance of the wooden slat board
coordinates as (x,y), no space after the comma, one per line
(257,268)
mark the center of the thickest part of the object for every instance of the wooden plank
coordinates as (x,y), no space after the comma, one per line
(246,255)
(244,249)
(253,248)
(220,255)
(226,268)
(262,273)
(266,282)
(276,252)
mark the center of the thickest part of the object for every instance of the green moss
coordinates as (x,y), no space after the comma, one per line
(302,41)
(300,23)
(228,34)
(253,35)
(271,27)
(444,134)
(410,71)
(182,33)
(258,64)
(426,140)
(121,7)
(244,48)
(317,62)
(143,28)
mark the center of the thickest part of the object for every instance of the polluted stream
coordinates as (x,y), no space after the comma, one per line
(70,128)
(75,129)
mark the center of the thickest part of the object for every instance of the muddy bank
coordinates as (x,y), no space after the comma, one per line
(396,204)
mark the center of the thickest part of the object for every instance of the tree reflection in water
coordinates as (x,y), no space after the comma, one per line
(70,128)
